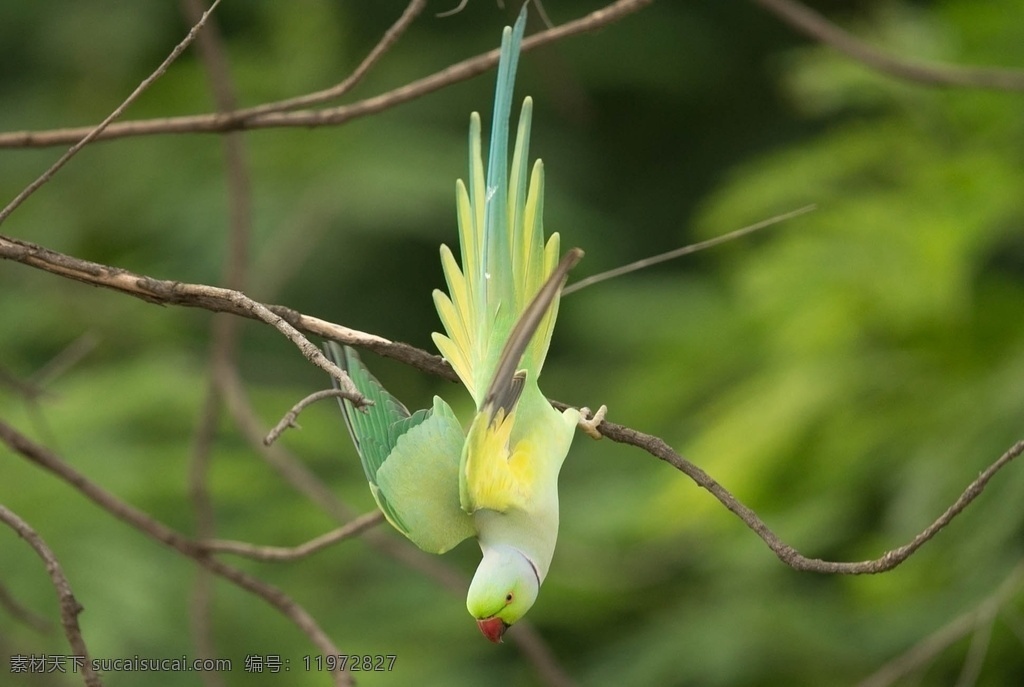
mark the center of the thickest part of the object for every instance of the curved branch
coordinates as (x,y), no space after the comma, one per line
(291,553)
(69,606)
(222,300)
(289,419)
(215,299)
(786,553)
(815,26)
(173,539)
(212,298)
(268,115)
(89,134)
(389,38)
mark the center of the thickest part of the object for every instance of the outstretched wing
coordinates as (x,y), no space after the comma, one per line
(411,461)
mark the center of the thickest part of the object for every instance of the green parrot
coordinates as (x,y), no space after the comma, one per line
(498,482)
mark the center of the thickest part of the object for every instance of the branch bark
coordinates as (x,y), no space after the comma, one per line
(173,539)
(224,330)
(90,134)
(291,553)
(818,28)
(212,298)
(223,300)
(786,553)
(270,114)
(69,606)
(216,299)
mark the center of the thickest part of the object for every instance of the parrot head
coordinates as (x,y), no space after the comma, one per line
(503,590)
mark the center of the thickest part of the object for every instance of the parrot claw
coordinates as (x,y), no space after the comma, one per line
(589,421)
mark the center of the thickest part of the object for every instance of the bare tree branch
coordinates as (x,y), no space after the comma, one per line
(217,299)
(927,649)
(685,250)
(391,37)
(20,613)
(250,118)
(224,329)
(173,539)
(69,606)
(93,133)
(291,553)
(212,298)
(202,505)
(786,553)
(221,300)
(288,421)
(818,28)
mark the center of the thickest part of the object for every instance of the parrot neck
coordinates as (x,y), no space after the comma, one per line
(515,532)
(507,552)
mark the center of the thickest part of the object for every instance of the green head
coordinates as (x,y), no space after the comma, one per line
(503,590)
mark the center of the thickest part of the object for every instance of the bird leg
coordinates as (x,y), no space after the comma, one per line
(589,421)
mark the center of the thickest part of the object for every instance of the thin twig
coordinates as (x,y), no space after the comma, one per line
(685,250)
(928,648)
(224,329)
(291,553)
(20,613)
(96,131)
(289,419)
(293,471)
(389,38)
(245,119)
(69,606)
(67,358)
(452,12)
(30,391)
(201,604)
(815,26)
(980,642)
(171,538)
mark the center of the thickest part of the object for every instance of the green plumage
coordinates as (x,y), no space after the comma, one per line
(499,481)
(410,461)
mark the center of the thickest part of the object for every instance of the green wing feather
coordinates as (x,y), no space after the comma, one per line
(504,258)
(420,478)
(411,461)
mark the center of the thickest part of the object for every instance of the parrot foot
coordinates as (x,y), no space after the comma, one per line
(589,421)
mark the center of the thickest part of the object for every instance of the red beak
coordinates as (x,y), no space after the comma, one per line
(493,628)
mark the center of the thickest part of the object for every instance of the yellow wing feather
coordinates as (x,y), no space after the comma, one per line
(494,477)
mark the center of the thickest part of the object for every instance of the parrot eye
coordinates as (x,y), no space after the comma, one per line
(508,598)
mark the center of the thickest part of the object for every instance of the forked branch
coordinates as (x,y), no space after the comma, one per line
(222,300)
(49,461)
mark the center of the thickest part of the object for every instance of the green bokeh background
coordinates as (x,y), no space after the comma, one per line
(845,375)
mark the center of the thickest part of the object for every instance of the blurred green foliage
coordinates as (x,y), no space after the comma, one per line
(846,374)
